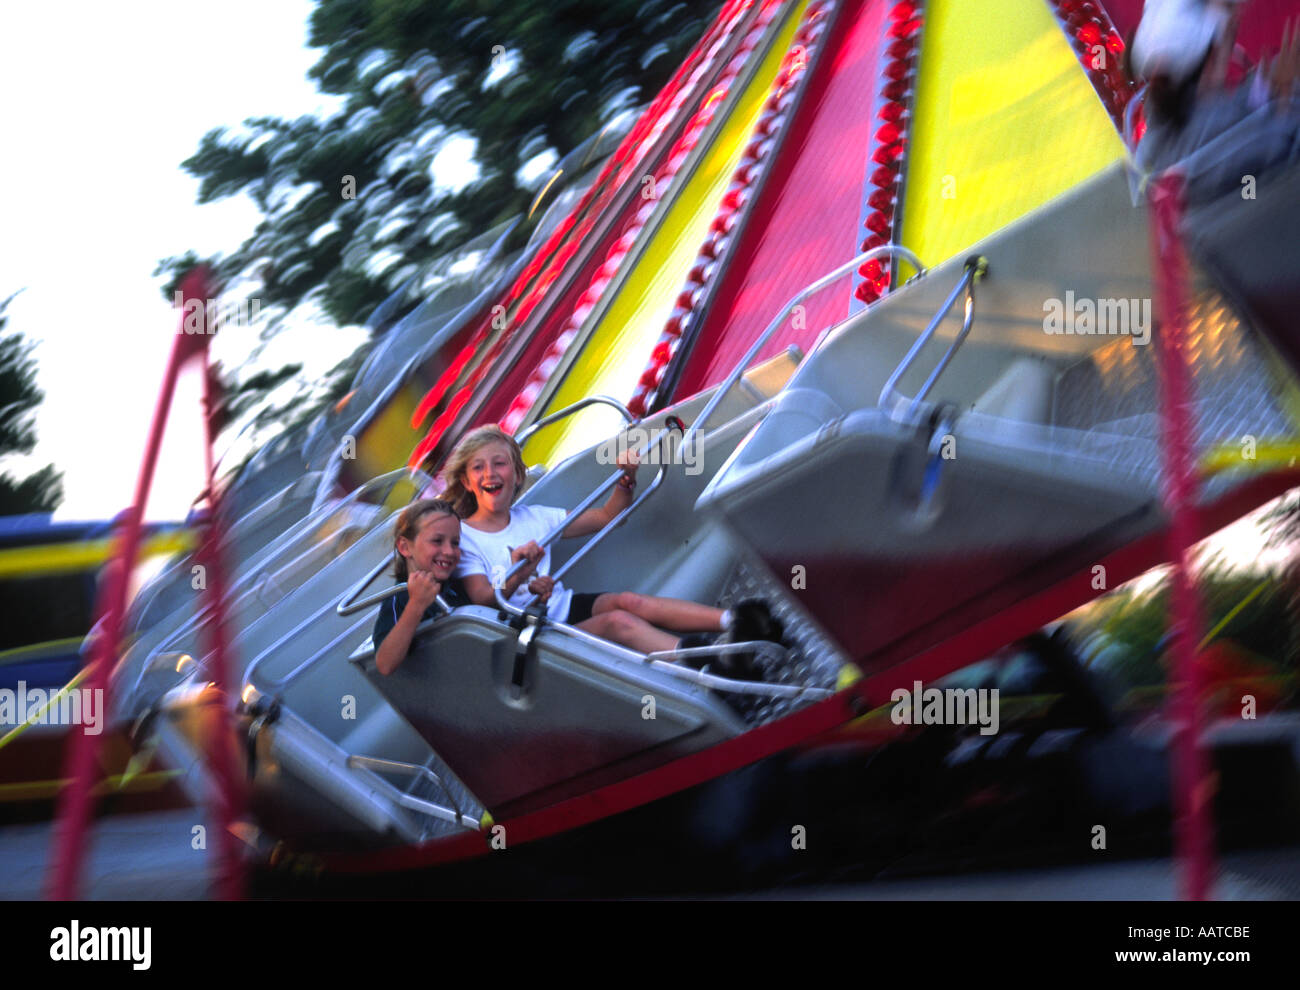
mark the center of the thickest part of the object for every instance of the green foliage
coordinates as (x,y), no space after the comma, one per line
(38,492)
(19,396)
(1136,623)
(525,82)
(414,75)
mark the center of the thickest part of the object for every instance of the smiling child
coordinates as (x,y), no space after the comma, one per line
(426,551)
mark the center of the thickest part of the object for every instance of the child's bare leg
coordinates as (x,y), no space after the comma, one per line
(628,630)
(666,613)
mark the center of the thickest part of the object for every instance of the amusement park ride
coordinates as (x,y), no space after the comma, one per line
(761,270)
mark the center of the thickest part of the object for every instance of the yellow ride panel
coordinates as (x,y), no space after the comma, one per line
(616,353)
(1004,120)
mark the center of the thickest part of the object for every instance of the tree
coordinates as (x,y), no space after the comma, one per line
(357,205)
(19,395)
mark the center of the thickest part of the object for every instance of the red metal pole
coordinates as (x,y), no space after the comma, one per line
(77,800)
(1193,789)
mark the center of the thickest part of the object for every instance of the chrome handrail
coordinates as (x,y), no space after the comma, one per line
(608,527)
(453,815)
(347,606)
(522,436)
(312,519)
(596,537)
(613,523)
(817,286)
(976,267)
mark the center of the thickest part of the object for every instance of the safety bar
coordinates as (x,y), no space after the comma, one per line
(612,524)
(522,436)
(890,399)
(453,814)
(608,527)
(583,506)
(378,483)
(347,606)
(821,283)
(713,682)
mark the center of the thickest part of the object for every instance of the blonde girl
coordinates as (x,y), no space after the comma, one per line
(485,475)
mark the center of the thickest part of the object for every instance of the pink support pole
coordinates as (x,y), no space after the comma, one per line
(1193,789)
(76,803)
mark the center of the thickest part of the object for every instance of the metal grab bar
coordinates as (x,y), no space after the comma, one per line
(313,518)
(608,527)
(583,506)
(347,606)
(976,268)
(453,815)
(821,283)
(689,436)
(613,523)
(522,436)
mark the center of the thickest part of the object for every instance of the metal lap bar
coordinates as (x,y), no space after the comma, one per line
(522,436)
(890,397)
(815,287)
(600,534)
(453,814)
(583,506)
(311,521)
(347,606)
(661,661)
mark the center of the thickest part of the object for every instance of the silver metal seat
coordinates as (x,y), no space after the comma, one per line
(526,725)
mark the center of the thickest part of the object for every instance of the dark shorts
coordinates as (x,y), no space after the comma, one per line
(580,606)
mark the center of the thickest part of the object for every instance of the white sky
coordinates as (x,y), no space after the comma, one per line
(102,103)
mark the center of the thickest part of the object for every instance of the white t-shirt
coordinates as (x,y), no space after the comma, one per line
(489,554)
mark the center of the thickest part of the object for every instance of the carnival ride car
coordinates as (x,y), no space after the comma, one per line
(910,489)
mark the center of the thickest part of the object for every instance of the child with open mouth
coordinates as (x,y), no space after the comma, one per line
(485,474)
(426,551)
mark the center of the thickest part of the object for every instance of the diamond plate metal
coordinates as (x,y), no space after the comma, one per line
(1236,390)
(814,660)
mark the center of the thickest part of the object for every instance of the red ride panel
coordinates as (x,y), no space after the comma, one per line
(806,220)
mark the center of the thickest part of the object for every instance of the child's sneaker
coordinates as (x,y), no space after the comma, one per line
(751,620)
